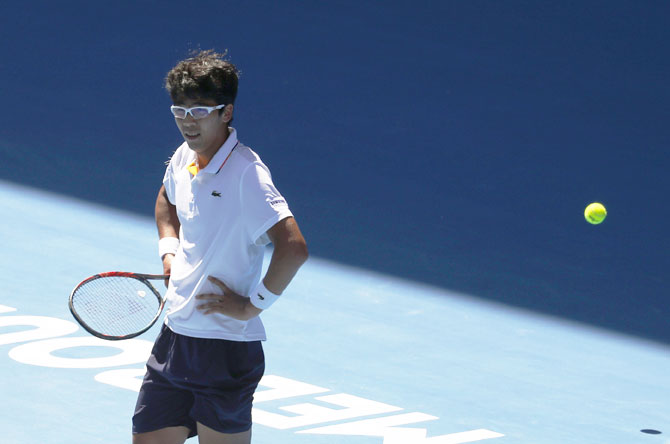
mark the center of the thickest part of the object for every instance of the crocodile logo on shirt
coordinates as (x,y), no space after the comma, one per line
(216,194)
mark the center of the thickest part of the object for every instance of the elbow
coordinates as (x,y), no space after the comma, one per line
(289,244)
(300,252)
(303,252)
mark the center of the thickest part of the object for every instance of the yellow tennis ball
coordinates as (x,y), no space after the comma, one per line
(595,213)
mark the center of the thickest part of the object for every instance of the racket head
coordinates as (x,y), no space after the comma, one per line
(117,305)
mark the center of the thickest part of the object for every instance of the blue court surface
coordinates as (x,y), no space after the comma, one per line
(353,356)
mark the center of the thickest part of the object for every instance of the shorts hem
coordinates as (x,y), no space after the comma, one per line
(230,430)
(191,432)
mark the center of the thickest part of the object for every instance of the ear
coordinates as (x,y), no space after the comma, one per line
(228,113)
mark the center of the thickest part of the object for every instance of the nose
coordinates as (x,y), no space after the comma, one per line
(189,119)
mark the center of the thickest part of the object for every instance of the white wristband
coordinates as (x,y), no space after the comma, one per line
(167,245)
(262,298)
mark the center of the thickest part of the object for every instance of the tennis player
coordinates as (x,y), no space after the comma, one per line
(216,211)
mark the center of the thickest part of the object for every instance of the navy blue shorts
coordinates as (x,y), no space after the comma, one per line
(189,380)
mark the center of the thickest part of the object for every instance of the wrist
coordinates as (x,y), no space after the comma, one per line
(167,245)
(261,297)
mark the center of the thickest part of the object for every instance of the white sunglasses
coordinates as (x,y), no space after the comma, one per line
(197,112)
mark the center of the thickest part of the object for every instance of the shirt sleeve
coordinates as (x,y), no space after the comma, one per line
(262,204)
(168,182)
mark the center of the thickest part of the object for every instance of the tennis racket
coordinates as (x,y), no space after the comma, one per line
(117,305)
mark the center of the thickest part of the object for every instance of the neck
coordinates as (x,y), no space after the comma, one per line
(204,157)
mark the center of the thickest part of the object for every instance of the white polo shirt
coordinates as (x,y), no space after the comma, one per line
(224,211)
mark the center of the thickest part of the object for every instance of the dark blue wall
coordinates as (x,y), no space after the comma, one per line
(452,142)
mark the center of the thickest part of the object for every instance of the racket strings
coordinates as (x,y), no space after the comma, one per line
(116,305)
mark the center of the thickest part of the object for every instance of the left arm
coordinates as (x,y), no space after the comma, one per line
(290,252)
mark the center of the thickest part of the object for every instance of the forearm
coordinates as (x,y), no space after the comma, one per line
(287,258)
(290,252)
(285,262)
(168,226)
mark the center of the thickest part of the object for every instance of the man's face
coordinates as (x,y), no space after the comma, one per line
(206,135)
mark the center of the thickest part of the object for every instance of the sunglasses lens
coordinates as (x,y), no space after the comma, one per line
(178,112)
(199,113)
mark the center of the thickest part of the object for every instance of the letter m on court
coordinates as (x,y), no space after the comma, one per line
(386,427)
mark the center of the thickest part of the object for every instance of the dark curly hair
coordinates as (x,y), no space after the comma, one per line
(205,75)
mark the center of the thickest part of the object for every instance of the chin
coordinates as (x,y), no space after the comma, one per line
(193,145)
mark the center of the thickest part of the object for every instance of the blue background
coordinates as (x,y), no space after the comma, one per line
(454,143)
